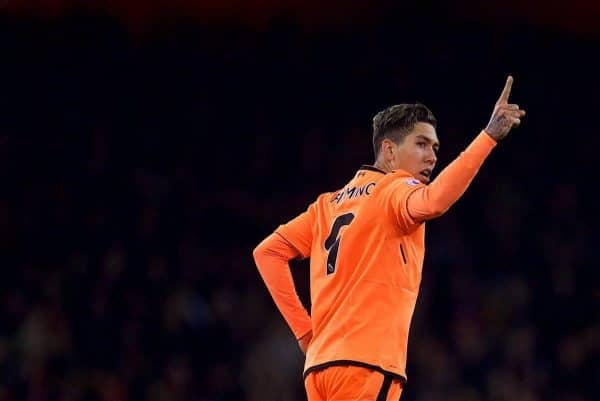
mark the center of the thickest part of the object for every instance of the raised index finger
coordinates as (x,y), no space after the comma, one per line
(506,91)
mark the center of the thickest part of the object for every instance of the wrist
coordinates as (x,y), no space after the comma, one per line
(491,136)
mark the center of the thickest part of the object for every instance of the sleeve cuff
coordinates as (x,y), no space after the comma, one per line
(487,138)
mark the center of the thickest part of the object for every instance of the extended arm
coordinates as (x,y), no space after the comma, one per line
(432,201)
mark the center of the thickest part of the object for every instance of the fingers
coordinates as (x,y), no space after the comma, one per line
(511,109)
(514,113)
(514,116)
(503,99)
(515,121)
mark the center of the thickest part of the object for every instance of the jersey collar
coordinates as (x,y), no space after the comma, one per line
(371,168)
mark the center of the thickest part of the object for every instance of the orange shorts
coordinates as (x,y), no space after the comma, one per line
(351,383)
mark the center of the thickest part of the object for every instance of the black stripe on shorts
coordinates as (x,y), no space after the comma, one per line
(385,388)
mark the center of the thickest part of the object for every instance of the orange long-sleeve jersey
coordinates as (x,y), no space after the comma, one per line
(366,248)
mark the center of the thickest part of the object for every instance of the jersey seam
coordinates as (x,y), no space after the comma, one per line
(413,220)
(292,245)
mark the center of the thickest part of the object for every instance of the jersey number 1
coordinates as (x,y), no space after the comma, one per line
(332,243)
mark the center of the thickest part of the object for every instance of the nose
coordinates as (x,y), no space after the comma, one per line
(431,157)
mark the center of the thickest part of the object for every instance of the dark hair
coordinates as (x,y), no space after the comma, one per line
(397,121)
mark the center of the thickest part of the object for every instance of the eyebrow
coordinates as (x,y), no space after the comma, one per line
(435,144)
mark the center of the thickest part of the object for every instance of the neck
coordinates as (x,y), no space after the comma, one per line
(382,165)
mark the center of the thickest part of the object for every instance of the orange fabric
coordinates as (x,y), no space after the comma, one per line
(345,383)
(272,256)
(452,182)
(366,249)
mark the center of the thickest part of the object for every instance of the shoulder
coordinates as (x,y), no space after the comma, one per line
(325,198)
(400,178)
(396,187)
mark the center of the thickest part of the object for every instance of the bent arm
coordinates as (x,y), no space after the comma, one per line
(272,258)
(431,201)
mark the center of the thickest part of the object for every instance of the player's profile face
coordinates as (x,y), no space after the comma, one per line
(417,153)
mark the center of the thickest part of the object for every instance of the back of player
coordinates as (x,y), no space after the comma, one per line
(364,273)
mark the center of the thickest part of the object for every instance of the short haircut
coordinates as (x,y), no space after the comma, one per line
(397,121)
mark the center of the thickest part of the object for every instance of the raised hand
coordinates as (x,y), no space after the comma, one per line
(505,115)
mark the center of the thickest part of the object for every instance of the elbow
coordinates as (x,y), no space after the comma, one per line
(266,249)
(258,252)
(272,248)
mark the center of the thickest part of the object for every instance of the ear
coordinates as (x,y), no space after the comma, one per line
(387,148)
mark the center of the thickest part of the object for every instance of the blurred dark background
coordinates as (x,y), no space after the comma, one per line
(148,148)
